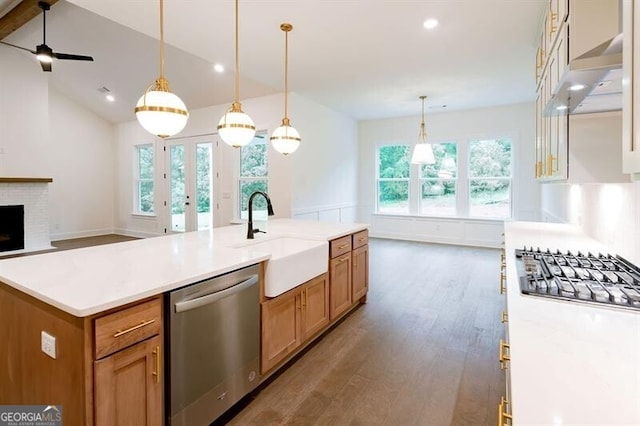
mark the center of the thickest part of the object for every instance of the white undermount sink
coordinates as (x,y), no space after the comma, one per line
(293,261)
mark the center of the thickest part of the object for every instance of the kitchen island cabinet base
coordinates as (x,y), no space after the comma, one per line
(30,377)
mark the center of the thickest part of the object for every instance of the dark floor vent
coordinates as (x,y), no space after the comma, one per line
(11,228)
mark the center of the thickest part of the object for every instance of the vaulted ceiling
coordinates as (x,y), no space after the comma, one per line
(368,59)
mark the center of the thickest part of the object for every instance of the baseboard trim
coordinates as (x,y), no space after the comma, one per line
(81,234)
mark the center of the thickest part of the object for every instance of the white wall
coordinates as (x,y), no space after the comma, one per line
(514,121)
(318,181)
(81,160)
(610,213)
(24,120)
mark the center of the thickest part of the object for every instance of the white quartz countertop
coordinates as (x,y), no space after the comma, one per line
(89,280)
(571,363)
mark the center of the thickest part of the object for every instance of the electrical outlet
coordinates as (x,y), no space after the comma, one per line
(48,344)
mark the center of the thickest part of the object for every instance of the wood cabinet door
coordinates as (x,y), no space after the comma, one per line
(315,306)
(280,328)
(360,272)
(339,285)
(128,388)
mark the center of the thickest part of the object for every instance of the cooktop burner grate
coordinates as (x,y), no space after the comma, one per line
(601,279)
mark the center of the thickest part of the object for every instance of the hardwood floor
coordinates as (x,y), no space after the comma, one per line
(91,241)
(422,351)
(76,243)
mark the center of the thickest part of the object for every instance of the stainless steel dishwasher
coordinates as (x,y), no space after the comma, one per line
(213,332)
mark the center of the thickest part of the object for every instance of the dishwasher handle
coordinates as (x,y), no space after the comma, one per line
(187,305)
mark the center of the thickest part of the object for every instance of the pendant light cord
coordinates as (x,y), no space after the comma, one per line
(237,73)
(161,39)
(423,133)
(286,73)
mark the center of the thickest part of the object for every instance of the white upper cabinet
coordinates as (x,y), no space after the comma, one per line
(630,93)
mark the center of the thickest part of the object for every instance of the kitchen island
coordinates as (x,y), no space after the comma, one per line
(568,363)
(85,297)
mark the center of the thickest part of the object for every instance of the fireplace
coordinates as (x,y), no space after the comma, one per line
(11,228)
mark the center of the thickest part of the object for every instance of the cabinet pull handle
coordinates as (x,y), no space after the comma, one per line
(504,357)
(156,372)
(344,258)
(135,327)
(343,246)
(505,317)
(503,414)
(552,21)
(503,287)
(362,239)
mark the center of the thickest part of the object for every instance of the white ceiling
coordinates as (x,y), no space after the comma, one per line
(368,59)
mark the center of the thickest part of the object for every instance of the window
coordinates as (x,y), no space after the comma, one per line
(469,178)
(490,178)
(144,179)
(254,176)
(393,178)
(438,181)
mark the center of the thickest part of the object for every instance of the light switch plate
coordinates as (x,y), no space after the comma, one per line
(48,344)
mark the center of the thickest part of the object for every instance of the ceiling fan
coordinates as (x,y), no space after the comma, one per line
(43,52)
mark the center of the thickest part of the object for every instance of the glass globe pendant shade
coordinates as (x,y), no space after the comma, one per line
(285,139)
(235,127)
(160,112)
(422,154)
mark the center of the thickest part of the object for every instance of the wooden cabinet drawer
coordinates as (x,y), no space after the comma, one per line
(340,246)
(360,239)
(127,327)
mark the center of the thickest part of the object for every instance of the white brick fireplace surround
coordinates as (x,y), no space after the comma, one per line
(33,193)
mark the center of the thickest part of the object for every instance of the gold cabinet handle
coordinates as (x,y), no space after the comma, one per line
(135,327)
(505,317)
(550,168)
(362,239)
(156,372)
(503,413)
(503,286)
(504,357)
(552,22)
(345,258)
(343,246)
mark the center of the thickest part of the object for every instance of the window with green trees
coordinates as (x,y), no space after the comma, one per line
(393,178)
(144,179)
(254,176)
(469,178)
(438,181)
(490,178)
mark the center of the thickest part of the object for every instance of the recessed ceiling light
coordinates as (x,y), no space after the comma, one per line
(561,107)
(430,23)
(576,87)
(218,68)
(110,97)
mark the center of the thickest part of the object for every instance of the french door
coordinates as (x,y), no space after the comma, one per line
(190,183)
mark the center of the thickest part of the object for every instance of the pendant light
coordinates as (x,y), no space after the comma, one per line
(159,111)
(235,127)
(422,151)
(286,139)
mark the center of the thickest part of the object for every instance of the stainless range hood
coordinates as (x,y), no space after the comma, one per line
(599,71)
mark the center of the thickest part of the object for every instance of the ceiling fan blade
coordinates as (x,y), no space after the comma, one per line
(71,57)
(46,66)
(18,47)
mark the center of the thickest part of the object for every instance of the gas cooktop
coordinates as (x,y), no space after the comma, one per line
(601,279)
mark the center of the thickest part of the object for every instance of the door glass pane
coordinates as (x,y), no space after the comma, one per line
(204,154)
(247,187)
(177,178)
